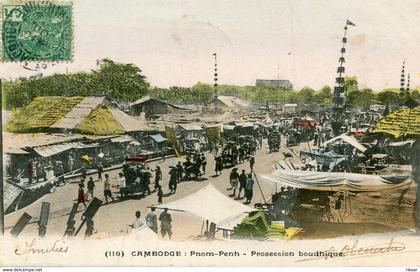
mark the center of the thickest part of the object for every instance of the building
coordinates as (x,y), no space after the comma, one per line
(92,115)
(151,106)
(281,83)
(289,108)
(228,103)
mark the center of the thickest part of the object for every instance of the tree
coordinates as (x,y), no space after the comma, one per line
(350,84)
(306,95)
(122,81)
(366,99)
(388,97)
(324,96)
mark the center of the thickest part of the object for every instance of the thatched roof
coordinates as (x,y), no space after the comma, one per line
(94,115)
(403,122)
(231,101)
(41,114)
(149,99)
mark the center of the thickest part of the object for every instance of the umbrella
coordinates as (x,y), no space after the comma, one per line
(403,122)
(86,159)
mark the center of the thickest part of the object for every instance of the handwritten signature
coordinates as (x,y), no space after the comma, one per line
(58,246)
(357,251)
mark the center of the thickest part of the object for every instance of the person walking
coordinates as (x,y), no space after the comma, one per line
(203,163)
(218,165)
(107,189)
(242,184)
(252,163)
(70,162)
(84,173)
(30,171)
(180,171)
(249,188)
(151,219)
(81,198)
(234,180)
(158,177)
(60,173)
(173,180)
(123,186)
(146,181)
(90,186)
(100,171)
(165,223)
(159,194)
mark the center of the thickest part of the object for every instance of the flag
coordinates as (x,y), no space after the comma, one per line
(350,23)
(172,140)
(214,54)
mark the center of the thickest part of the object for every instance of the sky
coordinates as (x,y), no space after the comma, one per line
(172,41)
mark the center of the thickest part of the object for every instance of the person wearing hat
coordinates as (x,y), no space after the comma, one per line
(151,219)
(165,223)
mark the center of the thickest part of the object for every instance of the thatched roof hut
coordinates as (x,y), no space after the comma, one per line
(93,115)
(403,122)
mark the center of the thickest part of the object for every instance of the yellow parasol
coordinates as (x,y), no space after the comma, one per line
(86,159)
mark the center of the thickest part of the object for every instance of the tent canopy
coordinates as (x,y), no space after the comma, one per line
(329,158)
(348,139)
(210,204)
(336,181)
(403,122)
(158,138)
(122,139)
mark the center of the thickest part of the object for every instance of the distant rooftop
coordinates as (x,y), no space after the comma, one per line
(274,83)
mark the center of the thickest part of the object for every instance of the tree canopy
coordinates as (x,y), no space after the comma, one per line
(123,82)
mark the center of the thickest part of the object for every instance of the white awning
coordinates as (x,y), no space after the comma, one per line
(337,181)
(348,139)
(50,150)
(122,139)
(210,204)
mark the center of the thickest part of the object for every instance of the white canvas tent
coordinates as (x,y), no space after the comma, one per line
(210,204)
(336,181)
(348,139)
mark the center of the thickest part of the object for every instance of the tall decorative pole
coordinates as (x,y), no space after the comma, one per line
(408,85)
(339,100)
(404,90)
(402,81)
(215,75)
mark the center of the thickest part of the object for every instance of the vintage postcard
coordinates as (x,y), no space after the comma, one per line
(210,133)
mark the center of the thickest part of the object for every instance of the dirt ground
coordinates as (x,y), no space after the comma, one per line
(370,212)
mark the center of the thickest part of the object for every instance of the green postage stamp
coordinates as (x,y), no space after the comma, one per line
(37,31)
